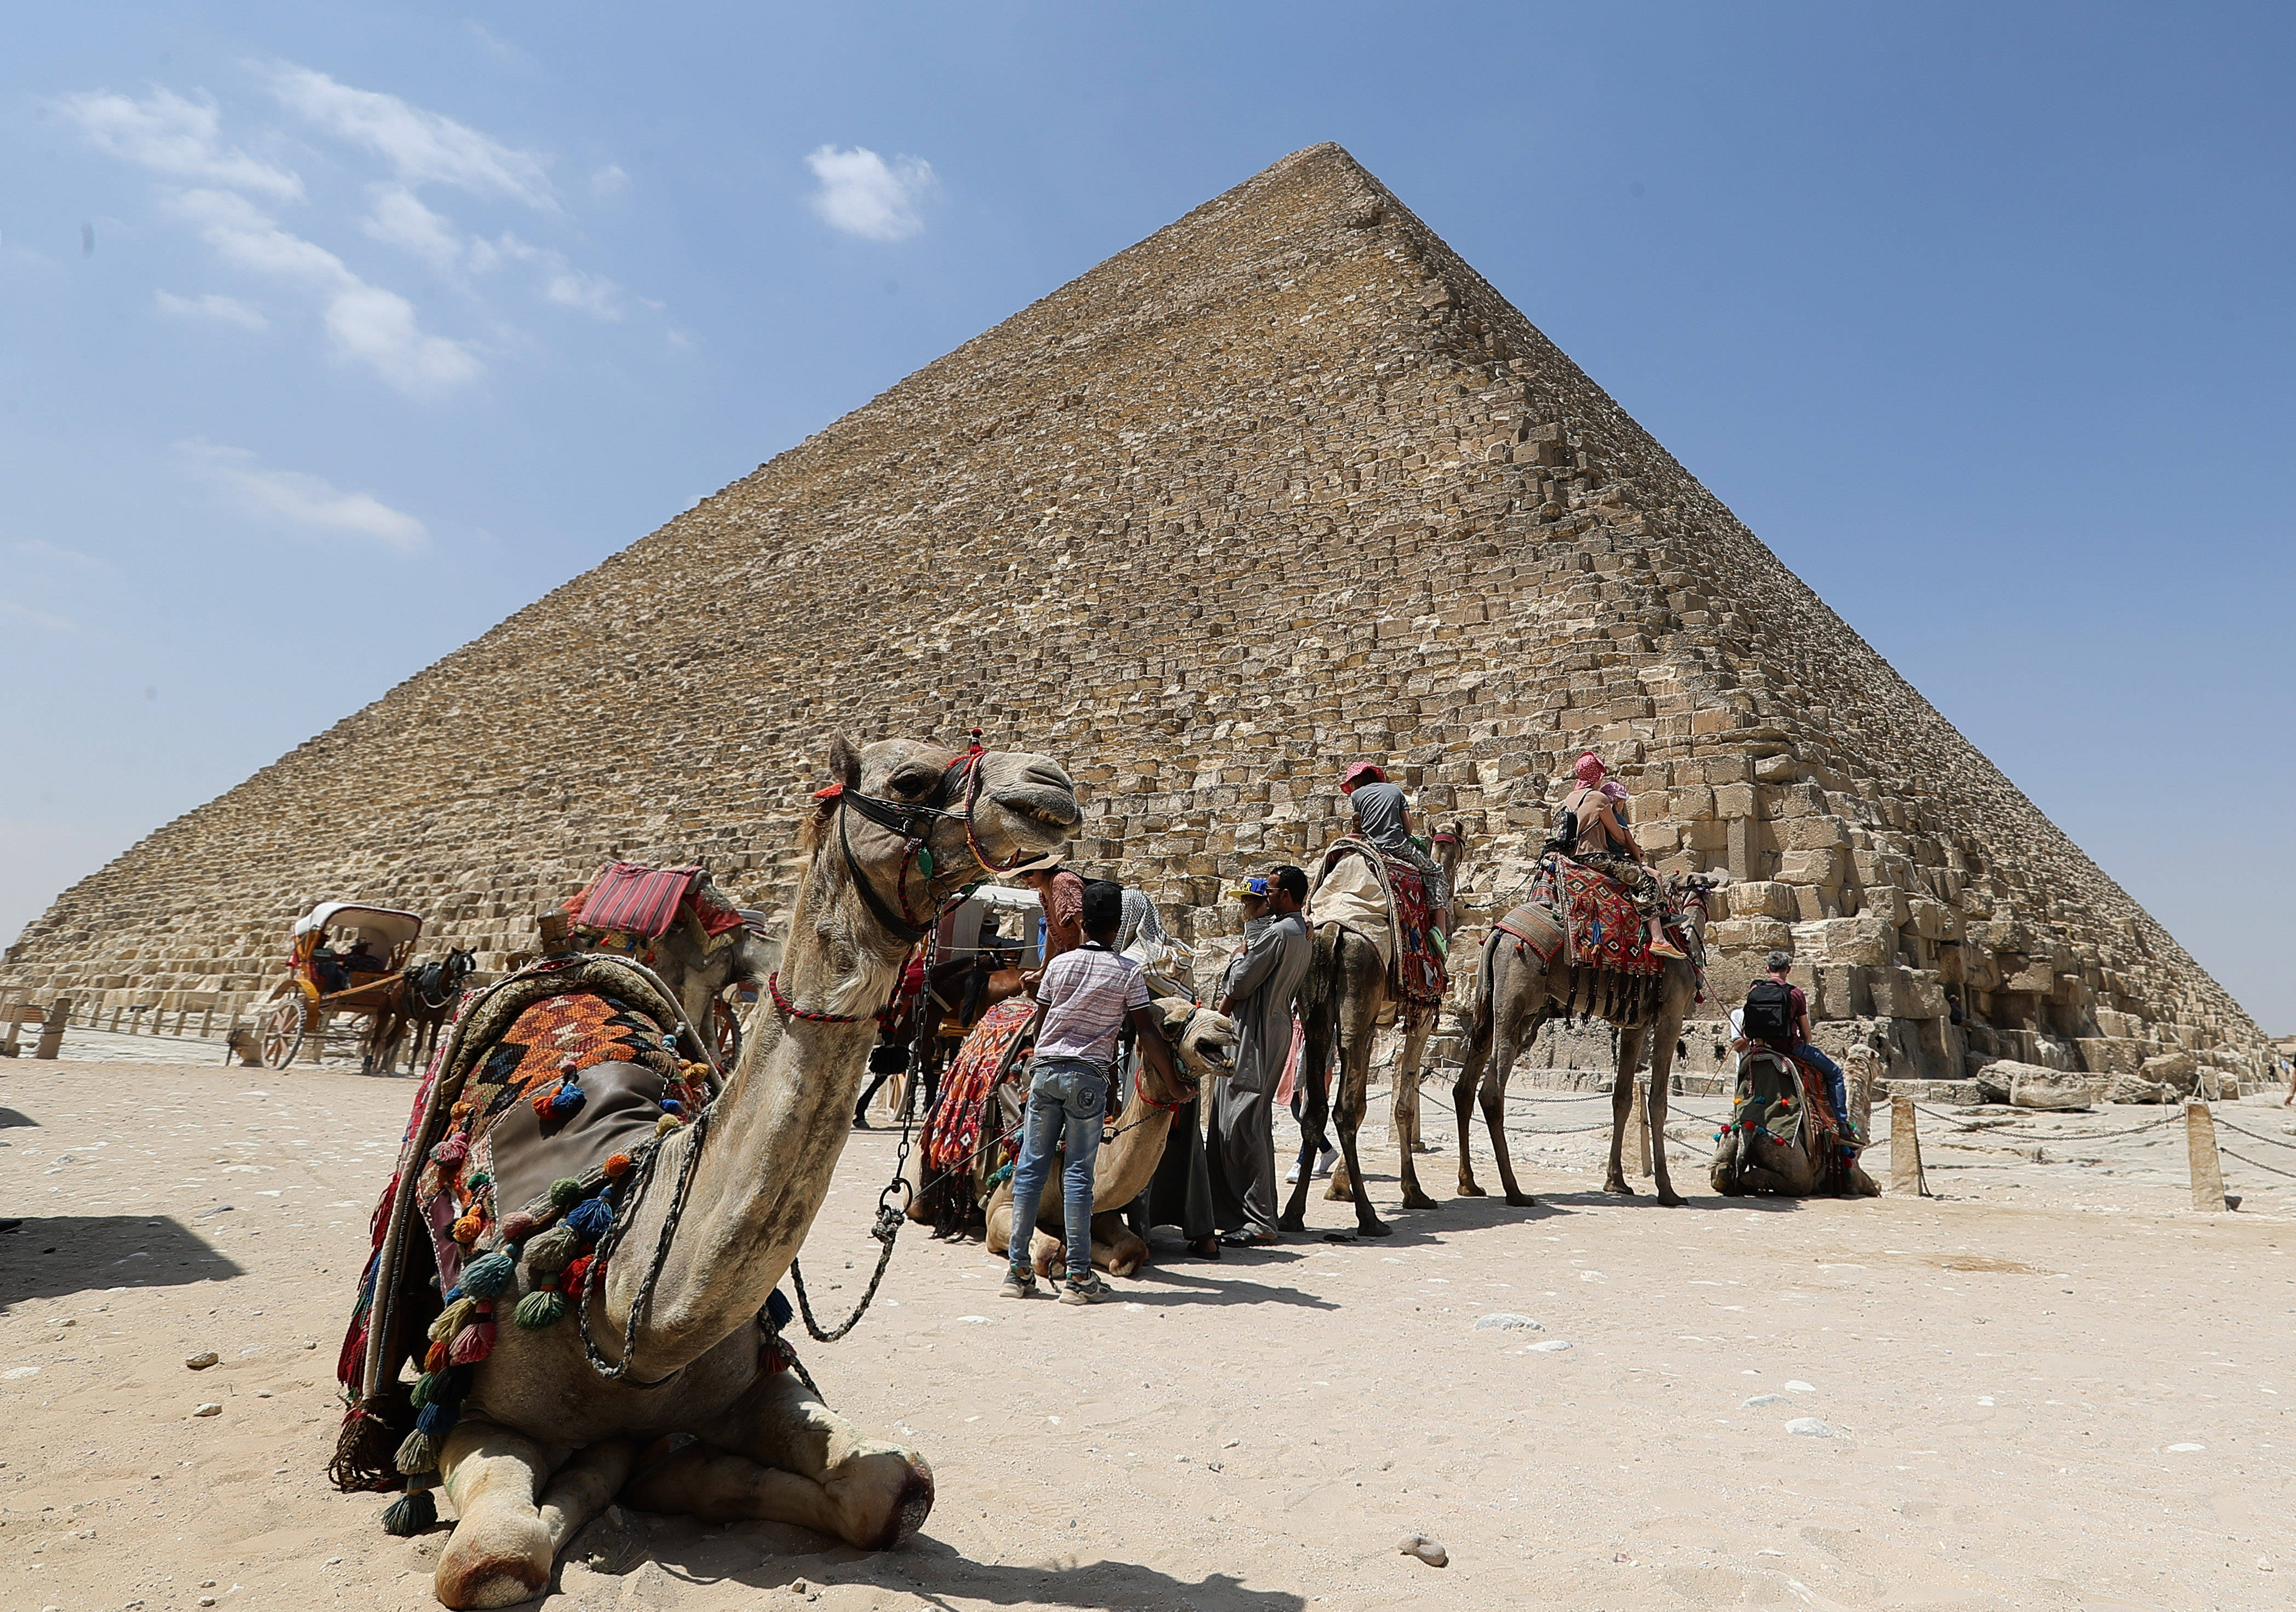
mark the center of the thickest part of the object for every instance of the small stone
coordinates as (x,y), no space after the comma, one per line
(1799,1387)
(1763,1399)
(1425,1549)
(2183,1449)
(204,1601)
(1808,1426)
(1506,1322)
(1212,1466)
(207,1410)
(1553,1346)
(202,1360)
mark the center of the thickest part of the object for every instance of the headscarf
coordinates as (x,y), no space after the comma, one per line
(1363,772)
(1590,769)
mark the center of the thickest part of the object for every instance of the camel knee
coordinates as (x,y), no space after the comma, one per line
(500,1554)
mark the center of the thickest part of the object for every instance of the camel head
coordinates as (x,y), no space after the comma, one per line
(921,822)
(1689,891)
(1449,844)
(1203,1044)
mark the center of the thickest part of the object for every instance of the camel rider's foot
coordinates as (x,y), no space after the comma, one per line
(1668,949)
(1019,1283)
(1206,1247)
(1085,1290)
(1250,1239)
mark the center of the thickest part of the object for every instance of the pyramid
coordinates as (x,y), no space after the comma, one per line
(1285,485)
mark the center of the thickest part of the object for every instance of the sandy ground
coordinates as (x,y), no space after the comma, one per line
(2051,1386)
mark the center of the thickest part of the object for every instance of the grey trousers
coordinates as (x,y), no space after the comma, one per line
(1240,1149)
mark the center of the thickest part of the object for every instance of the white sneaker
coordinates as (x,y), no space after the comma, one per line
(1323,1165)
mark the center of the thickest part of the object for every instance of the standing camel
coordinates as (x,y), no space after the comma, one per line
(1516,992)
(545,1440)
(1347,990)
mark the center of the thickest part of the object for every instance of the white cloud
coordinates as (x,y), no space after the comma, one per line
(223,309)
(39,548)
(172,136)
(400,219)
(561,282)
(307,504)
(608,181)
(38,619)
(422,146)
(862,194)
(368,323)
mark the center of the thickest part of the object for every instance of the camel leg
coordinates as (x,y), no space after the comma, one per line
(996,1228)
(1355,1082)
(1661,1078)
(781,1455)
(502,1550)
(1404,1109)
(1116,1248)
(1622,1109)
(1472,1065)
(1512,1038)
(584,1486)
(1315,1075)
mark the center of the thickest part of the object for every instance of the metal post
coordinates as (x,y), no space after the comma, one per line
(1905,1150)
(2201,1150)
(51,1033)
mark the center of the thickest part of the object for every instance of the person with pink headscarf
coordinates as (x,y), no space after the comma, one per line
(1605,844)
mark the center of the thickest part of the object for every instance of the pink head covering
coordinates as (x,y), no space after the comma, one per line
(1613,789)
(1362,772)
(1590,769)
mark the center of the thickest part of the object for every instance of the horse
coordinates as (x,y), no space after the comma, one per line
(421,997)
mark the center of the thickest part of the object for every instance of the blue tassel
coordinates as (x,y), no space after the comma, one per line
(590,1218)
(490,1277)
(778,1310)
(567,1100)
(436,1419)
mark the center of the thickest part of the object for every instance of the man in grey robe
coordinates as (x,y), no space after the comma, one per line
(1258,991)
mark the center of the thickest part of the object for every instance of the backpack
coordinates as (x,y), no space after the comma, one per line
(1769,1011)
(1564,835)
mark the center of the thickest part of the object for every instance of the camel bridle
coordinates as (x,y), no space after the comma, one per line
(914,822)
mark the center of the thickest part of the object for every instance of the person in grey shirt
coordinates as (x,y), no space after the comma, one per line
(1383,817)
(1257,993)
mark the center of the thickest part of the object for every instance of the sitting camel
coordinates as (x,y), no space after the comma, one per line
(1780,1138)
(1348,993)
(1133,1150)
(547,1428)
(1522,983)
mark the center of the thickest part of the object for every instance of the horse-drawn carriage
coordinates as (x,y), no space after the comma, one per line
(347,958)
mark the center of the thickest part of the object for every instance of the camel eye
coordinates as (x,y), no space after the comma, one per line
(913,780)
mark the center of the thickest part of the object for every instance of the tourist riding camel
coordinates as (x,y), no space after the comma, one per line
(1383,816)
(606,1222)
(1603,843)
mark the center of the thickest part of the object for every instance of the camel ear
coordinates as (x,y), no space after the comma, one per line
(845,762)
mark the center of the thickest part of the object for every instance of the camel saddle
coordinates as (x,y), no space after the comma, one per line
(1583,916)
(1384,899)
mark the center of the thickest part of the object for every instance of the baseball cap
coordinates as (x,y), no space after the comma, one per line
(1250,890)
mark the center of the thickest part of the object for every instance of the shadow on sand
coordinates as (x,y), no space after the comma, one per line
(49,1257)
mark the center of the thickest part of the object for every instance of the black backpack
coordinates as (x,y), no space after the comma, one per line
(1769,1011)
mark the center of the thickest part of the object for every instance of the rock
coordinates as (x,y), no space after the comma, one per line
(1808,1426)
(2136,1088)
(1763,1399)
(1553,1346)
(1426,1549)
(207,1410)
(2180,1072)
(2031,1087)
(1798,1387)
(1504,1322)
(1993,1083)
(202,1360)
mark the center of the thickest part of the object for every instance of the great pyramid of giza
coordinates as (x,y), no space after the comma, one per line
(1285,484)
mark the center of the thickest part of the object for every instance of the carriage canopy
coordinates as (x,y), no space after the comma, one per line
(386,928)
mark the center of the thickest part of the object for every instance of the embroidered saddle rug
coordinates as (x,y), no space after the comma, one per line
(953,1130)
(1384,899)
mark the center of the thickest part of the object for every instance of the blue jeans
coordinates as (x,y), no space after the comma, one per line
(1831,1070)
(1068,1097)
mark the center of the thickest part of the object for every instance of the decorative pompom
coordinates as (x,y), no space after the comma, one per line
(590,1218)
(565,1192)
(670,1105)
(467,1229)
(570,1283)
(472,1344)
(517,1226)
(434,1359)
(437,1419)
(617,1166)
(426,1387)
(567,1100)
(494,1275)
(453,1151)
(453,1318)
(548,1253)
(418,1454)
(539,1312)
(666,1124)
(412,1513)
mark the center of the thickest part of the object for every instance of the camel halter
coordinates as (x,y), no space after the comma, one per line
(914,823)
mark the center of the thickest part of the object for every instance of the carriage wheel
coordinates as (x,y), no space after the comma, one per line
(725,1032)
(283,1033)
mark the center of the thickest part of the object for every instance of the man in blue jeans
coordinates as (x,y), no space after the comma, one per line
(1797,1045)
(1087,995)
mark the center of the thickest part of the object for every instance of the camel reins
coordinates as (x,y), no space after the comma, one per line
(914,822)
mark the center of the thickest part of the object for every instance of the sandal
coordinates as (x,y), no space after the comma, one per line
(1249,1239)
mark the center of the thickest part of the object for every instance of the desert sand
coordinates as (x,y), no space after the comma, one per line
(2052,1386)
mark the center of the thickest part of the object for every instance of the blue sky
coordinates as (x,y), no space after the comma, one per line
(334,334)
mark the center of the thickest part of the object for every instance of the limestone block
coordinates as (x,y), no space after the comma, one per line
(2031,1087)
(1931,920)
(1906,992)
(1841,992)
(2180,1072)
(1811,834)
(2111,1055)
(1742,934)
(2035,976)
(1820,867)
(1864,940)
(1761,898)
(2136,1088)
(1811,904)
(1734,800)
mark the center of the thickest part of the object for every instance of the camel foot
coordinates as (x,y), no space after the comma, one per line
(1291,1223)
(1522,1200)
(1468,1189)
(1618,1187)
(1374,1227)
(504,1560)
(1414,1198)
(1671,1200)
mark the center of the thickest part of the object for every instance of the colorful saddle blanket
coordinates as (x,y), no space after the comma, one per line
(1604,930)
(630,898)
(952,1132)
(1384,899)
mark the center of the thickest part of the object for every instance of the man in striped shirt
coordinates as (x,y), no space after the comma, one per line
(1087,995)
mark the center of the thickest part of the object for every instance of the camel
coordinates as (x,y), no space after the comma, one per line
(544,1441)
(1345,994)
(1201,1039)
(1516,993)
(1768,1145)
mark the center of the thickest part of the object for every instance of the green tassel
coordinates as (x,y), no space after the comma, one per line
(553,1250)
(422,1387)
(566,1192)
(490,1277)
(412,1513)
(453,1318)
(539,1312)
(417,1455)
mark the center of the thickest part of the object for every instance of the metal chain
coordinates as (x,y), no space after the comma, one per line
(889,1216)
